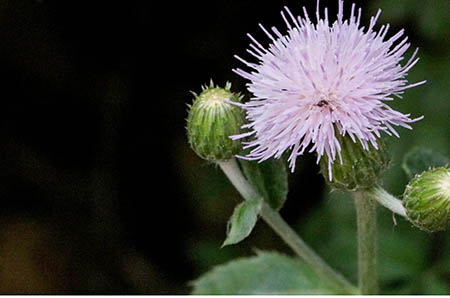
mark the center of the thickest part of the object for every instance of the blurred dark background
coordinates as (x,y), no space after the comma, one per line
(99,190)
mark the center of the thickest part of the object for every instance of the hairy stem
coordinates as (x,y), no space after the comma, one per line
(277,223)
(387,200)
(367,246)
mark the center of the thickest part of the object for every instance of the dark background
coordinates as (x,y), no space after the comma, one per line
(99,191)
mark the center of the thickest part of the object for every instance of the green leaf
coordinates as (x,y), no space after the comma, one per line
(270,178)
(242,221)
(421,159)
(267,273)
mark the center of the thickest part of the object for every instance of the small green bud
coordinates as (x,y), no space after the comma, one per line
(211,122)
(360,169)
(427,199)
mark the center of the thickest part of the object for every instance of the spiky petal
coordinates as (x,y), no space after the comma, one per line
(320,80)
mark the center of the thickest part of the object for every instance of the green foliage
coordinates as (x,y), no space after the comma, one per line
(431,22)
(421,159)
(242,221)
(266,273)
(270,179)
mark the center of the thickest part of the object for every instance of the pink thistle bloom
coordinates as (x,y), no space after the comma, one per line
(319,80)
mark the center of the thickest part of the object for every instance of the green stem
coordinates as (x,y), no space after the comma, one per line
(367,248)
(277,223)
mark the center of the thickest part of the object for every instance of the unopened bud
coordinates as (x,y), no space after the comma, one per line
(212,120)
(427,199)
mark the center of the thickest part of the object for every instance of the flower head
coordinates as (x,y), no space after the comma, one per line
(320,80)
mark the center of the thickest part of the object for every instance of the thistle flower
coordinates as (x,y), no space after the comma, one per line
(322,80)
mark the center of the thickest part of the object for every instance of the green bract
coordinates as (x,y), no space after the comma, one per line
(360,168)
(427,199)
(212,120)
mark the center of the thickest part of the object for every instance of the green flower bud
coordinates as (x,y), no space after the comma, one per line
(211,122)
(360,169)
(427,199)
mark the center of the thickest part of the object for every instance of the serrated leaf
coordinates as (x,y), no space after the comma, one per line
(270,178)
(421,159)
(267,273)
(242,221)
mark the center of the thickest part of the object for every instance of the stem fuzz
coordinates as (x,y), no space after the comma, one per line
(367,246)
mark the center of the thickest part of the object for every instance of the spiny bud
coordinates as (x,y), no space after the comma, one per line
(359,169)
(427,199)
(211,122)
